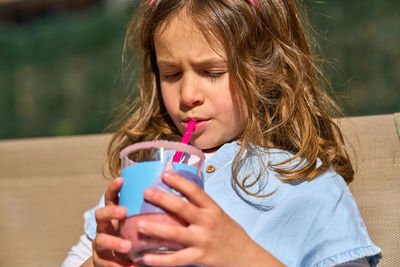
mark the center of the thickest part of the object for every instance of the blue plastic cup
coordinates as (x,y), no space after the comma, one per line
(143,164)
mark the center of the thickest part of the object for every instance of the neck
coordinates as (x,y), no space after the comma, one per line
(211,150)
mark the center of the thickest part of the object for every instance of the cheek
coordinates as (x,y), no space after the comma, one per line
(233,114)
(238,107)
(168,100)
(241,117)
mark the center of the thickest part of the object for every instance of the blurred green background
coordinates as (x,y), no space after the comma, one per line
(58,71)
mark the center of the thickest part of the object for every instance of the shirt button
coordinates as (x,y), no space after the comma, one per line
(210,168)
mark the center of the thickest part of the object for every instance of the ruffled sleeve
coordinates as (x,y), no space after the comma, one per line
(90,224)
(371,253)
(337,233)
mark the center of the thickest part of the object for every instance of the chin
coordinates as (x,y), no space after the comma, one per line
(206,147)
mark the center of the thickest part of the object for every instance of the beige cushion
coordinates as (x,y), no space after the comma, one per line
(46,184)
(376,186)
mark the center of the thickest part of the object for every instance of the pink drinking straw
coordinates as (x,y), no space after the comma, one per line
(185,140)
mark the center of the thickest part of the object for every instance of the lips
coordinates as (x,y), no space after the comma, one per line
(200,123)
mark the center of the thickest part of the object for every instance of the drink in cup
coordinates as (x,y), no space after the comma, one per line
(143,164)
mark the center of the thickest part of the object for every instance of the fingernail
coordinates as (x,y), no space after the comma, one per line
(167,175)
(118,212)
(148,259)
(125,244)
(141,225)
(148,192)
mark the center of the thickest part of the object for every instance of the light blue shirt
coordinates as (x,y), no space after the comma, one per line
(313,223)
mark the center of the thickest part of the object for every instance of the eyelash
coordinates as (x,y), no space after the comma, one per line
(172,76)
(212,75)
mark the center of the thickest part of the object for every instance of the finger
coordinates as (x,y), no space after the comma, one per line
(110,212)
(182,257)
(174,204)
(105,217)
(164,231)
(107,258)
(192,191)
(103,242)
(111,195)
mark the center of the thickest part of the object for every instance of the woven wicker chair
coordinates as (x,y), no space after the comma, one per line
(47,183)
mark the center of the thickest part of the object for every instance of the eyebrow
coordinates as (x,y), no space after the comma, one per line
(201,63)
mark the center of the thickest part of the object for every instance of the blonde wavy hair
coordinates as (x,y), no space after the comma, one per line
(274,70)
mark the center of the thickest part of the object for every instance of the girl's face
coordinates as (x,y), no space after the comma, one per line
(195,84)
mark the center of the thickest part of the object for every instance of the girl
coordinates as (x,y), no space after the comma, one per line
(276,170)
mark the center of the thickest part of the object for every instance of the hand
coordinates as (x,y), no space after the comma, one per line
(211,237)
(108,248)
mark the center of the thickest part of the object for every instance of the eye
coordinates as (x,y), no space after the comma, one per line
(172,76)
(214,75)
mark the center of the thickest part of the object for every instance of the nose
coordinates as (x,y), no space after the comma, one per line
(191,94)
